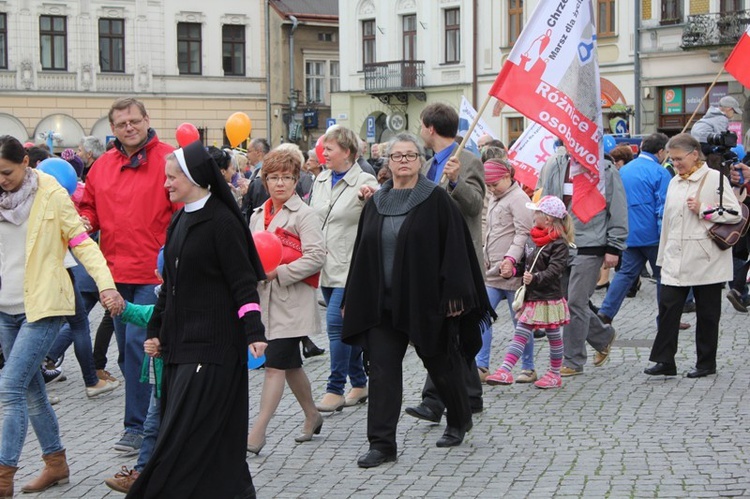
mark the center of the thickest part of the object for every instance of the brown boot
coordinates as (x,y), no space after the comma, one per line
(6,481)
(55,472)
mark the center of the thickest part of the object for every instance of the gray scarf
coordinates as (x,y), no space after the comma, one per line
(394,202)
(15,207)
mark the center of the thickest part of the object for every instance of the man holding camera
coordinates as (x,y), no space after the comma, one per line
(715,121)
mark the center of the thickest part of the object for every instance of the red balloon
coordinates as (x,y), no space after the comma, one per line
(186,134)
(269,249)
(319,148)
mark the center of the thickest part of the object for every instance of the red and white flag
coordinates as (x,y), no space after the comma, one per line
(529,153)
(552,77)
(737,62)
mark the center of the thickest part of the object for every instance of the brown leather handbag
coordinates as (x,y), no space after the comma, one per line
(727,235)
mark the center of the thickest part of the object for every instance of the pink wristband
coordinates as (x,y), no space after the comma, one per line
(78,239)
(248,307)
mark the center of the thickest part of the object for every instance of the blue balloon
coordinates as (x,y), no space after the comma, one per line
(253,363)
(739,150)
(609,143)
(62,171)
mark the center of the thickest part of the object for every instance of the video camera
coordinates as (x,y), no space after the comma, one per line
(724,140)
(722,143)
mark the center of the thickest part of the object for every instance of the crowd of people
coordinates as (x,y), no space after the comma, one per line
(402,250)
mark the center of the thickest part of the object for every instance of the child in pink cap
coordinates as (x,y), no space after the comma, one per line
(544,303)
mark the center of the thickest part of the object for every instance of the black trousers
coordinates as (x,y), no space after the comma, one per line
(431,395)
(386,348)
(708,313)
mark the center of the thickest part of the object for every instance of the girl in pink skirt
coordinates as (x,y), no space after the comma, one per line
(544,305)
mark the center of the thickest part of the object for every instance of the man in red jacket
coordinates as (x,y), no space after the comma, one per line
(126,201)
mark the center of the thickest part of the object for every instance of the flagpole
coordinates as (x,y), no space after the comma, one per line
(721,71)
(468,133)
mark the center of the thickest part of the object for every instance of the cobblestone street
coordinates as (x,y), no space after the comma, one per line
(611,432)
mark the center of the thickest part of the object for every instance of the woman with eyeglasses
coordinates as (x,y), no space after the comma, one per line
(414,279)
(335,198)
(689,259)
(287,296)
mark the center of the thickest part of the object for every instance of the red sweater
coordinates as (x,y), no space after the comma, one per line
(126,200)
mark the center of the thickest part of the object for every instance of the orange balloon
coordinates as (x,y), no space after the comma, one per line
(238,128)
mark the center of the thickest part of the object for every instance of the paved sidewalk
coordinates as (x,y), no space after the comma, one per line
(611,432)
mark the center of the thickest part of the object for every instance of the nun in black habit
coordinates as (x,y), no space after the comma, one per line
(206,315)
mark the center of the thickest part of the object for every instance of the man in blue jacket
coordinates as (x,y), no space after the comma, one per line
(645,181)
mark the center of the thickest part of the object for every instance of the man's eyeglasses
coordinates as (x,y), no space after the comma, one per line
(399,158)
(126,124)
(287,179)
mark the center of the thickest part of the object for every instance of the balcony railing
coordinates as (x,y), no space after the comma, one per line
(394,75)
(714,30)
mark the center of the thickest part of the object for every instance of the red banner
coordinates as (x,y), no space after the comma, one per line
(737,62)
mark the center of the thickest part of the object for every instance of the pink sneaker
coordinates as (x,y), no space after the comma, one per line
(500,377)
(549,380)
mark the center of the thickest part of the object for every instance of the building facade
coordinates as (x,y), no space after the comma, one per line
(403,54)
(399,55)
(307,34)
(62,64)
(683,46)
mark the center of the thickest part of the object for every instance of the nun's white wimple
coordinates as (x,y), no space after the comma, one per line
(180,155)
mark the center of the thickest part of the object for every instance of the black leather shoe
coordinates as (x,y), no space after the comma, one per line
(661,369)
(604,318)
(423,412)
(453,436)
(476,410)
(375,458)
(700,373)
(312,351)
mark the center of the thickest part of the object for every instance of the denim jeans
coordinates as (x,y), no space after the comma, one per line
(633,261)
(497,295)
(76,331)
(739,282)
(22,393)
(150,431)
(130,359)
(346,360)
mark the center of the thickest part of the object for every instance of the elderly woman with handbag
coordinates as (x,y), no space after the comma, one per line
(288,296)
(689,259)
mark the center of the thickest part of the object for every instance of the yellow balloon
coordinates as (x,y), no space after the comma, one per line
(238,128)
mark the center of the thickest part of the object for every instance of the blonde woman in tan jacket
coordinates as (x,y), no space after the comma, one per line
(689,259)
(288,296)
(335,198)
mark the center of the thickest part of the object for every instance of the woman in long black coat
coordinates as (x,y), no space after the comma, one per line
(206,316)
(414,278)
